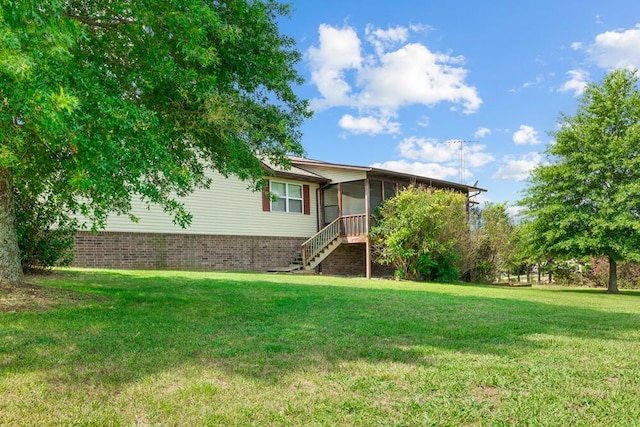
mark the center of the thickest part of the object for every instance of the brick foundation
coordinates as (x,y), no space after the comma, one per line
(184,251)
(210,252)
(350,260)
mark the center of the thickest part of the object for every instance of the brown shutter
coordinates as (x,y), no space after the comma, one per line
(306,202)
(266,202)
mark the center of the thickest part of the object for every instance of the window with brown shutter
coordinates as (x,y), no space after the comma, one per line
(291,198)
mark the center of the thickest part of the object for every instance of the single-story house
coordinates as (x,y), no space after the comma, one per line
(320,218)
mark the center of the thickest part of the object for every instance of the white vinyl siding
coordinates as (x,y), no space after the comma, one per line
(337,174)
(227,208)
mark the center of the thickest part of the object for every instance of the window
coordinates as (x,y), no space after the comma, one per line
(289,197)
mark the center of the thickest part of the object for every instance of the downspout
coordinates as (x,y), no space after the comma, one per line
(320,207)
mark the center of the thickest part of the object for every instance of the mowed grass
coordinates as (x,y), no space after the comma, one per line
(177,348)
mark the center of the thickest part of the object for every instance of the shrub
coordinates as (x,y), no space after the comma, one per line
(443,268)
(419,232)
(628,273)
(45,234)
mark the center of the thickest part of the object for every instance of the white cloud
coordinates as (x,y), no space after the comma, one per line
(392,35)
(420,28)
(431,150)
(441,160)
(368,125)
(339,51)
(428,149)
(481,132)
(395,75)
(577,82)
(415,75)
(475,157)
(539,79)
(617,49)
(385,39)
(514,211)
(526,135)
(424,121)
(431,170)
(482,199)
(518,168)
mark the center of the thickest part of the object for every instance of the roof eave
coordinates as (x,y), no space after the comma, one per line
(307,176)
(469,188)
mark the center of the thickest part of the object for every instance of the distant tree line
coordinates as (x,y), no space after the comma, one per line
(426,234)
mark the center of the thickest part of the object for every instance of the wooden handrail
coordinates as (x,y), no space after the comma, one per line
(348,225)
(353,225)
(316,243)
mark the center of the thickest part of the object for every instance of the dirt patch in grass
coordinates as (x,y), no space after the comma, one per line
(486,394)
(29,297)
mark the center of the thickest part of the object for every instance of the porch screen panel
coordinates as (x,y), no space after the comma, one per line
(389,190)
(330,204)
(375,194)
(353,198)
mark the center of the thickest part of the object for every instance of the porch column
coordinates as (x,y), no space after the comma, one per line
(367,211)
(340,206)
(339,200)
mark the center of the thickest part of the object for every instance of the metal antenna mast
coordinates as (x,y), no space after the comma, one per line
(462,177)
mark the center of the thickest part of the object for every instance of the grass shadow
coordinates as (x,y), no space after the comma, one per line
(264,329)
(600,291)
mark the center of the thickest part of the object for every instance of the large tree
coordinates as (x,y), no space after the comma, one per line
(102,101)
(586,201)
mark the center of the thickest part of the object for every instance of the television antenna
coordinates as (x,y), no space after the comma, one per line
(461,142)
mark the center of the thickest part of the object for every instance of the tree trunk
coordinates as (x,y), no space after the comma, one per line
(10,265)
(613,277)
(539,274)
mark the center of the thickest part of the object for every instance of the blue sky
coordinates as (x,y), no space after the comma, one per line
(402,85)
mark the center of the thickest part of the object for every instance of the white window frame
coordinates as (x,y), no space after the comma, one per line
(287,197)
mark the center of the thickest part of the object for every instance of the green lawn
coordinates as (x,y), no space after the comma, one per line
(177,348)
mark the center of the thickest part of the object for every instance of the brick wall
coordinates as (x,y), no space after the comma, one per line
(184,251)
(350,260)
(210,252)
